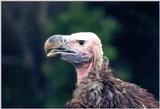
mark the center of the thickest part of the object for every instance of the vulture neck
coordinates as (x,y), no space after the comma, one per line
(84,69)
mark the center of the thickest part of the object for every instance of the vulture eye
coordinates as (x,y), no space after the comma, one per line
(81,42)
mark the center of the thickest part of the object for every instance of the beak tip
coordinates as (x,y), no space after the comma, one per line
(47,55)
(54,41)
(45,46)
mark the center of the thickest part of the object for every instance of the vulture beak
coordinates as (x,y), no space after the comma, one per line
(55,45)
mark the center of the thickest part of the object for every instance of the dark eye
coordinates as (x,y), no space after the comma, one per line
(81,42)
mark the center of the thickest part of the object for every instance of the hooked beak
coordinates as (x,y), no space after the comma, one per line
(55,45)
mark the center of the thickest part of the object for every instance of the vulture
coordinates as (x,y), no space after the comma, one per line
(96,87)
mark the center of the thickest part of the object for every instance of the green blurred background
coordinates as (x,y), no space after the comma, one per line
(129,32)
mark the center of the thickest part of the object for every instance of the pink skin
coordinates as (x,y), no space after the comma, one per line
(92,48)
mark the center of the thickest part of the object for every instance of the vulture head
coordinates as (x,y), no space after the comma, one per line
(83,50)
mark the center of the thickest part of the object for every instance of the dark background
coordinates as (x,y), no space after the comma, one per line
(130,37)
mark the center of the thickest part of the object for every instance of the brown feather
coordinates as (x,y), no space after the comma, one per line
(101,90)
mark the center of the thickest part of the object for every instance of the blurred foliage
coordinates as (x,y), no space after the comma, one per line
(78,18)
(61,79)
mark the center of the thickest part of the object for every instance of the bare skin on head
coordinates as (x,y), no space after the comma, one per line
(96,86)
(83,50)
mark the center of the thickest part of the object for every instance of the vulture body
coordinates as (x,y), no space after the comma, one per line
(102,90)
(96,86)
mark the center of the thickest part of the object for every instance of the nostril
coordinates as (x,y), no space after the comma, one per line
(64,40)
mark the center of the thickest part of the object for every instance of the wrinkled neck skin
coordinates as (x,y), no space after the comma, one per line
(84,69)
